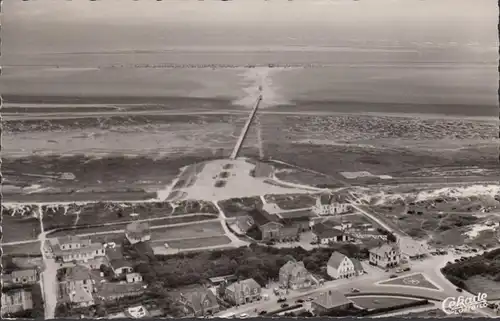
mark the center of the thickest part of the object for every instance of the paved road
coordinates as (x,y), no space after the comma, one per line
(366,284)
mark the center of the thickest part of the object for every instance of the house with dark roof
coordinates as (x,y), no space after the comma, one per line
(329,232)
(385,255)
(117,262)
(329,301)
(242,292)
(294,275)
(136,232)
(115,290)
(268,224)
(199,303)
(331,204)
(340,266)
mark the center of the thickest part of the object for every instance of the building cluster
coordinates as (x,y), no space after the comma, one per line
(91,271)
(17,290)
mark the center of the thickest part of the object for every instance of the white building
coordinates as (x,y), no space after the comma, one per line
(331,204)
(386,255)
(342,267)
(134,278)
(73,248)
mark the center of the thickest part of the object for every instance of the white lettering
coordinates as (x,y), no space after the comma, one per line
(462,304)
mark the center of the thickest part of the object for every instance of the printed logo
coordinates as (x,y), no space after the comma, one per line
(463,304)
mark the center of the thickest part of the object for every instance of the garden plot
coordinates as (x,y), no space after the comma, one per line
(197,230)
(292,201)
(376,302)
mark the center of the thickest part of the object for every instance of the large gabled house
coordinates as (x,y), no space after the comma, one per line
(385,255)
(118,263)
(340,266)
(294,275)
(242,292)
(197,304)
(331,204)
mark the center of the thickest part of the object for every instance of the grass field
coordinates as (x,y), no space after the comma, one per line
(199,242)
(374,302)
(19,228)
(416,280)
(121,227)
(292,201)
(196,230)
(480,284)
(22,249)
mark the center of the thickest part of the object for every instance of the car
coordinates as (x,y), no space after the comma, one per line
(456,260)
(281,300)
(392,276)
(284,305)
(309,299)
(262,312)
(243,315)
(400,270)
(354,290)
(459,290)
(299,301)
(406,269)
(474,250)
(449,262)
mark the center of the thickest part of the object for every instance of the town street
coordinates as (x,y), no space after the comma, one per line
(430,267)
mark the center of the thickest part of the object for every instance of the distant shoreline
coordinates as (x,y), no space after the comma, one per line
(14,103)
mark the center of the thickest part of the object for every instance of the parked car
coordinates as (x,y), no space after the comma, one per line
(456,260)
(392,276)
(284,305)
(262,312)
(309,299)
(281,300)
(299,301)
(399,270)
(406,269)
(459,290)
(243,315)
(354,290)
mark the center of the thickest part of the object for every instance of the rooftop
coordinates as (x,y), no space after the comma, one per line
(323,230)
(328,199)
(336,259)
(292,267)
(107,290)
(28,273)
(331,299)
(384,249)
(196,299)
(240,285)
(262,217)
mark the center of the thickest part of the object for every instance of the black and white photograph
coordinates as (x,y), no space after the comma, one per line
(250,158)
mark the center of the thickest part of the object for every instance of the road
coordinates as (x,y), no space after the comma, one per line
(48,276)
(367,285)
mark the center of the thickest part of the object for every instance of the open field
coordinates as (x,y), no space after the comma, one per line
(22,249)
(121,226)
(19,228)
(199,242)
(80,196)
(480,284)
(196,230)
(292,201)
(374,302)
(56,216)
(481,272)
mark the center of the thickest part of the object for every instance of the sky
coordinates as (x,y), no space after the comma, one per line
(48,26)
